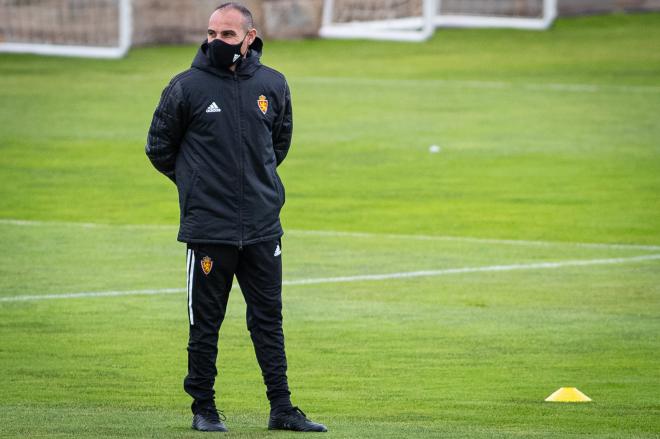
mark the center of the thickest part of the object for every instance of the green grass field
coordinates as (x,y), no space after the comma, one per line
(427,295)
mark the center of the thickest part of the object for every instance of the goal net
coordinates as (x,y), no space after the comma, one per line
(416,20)
(86,28)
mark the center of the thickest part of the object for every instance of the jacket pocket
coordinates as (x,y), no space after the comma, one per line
(185,202)
(279,186)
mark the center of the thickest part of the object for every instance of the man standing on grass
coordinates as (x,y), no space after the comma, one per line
(219,132)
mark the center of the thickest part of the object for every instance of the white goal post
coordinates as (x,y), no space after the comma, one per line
(416,20)
(80,28)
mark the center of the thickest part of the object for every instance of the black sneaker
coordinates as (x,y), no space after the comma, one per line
(293,419)
(209,420)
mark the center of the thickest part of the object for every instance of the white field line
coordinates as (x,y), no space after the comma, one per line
(334,233)
(487,85)
(363,277)
(339,234)
(446,271)
(87,294)
(33,223)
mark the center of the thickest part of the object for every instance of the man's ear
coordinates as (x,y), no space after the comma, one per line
(252,35)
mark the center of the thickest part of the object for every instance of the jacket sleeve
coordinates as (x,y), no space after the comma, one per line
(283,128)
(167,129)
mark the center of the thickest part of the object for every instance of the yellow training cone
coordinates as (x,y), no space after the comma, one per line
(568,394)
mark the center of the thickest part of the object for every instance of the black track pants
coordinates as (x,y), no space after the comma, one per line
(210,272)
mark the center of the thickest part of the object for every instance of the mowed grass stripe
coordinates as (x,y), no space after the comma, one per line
(342,233)
(487,85)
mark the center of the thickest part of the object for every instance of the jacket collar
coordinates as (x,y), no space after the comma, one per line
(245,67)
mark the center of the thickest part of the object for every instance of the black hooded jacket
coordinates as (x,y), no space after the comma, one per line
(219,135)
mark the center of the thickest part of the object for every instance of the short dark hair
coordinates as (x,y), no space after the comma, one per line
(247,15)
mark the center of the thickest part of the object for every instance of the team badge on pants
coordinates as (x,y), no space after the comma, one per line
(207,265)
(262,102)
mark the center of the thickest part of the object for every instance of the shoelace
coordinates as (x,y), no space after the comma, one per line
(296,409)
(215,415)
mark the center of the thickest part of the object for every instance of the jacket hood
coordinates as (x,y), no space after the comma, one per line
(245,67)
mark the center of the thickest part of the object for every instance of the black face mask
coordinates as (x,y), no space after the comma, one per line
(224,55)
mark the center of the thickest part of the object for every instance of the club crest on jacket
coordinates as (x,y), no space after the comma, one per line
(262,102)
(207,265)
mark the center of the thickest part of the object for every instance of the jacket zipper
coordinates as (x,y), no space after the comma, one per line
(241,167)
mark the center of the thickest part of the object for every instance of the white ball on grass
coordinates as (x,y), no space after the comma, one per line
(433,149)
